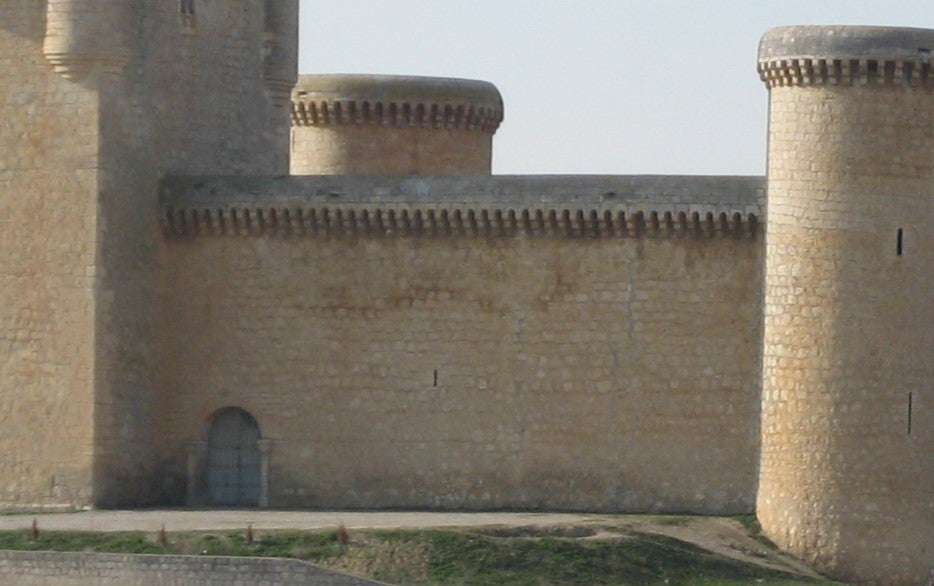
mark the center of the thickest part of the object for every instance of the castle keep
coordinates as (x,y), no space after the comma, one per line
(222,284)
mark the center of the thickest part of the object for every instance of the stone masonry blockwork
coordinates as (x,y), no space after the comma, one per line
(48,182)
(393,125)
(183,322)
(475,372)
(42,568)
(847,468)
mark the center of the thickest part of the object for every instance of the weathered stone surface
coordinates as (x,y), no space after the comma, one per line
(48,216)
(35,568)
(846,471)
(386,124)
(846,42)
(518,371)
(81,161)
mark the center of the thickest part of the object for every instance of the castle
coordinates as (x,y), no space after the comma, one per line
(184,323)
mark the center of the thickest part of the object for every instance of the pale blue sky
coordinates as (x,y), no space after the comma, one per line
(592,86)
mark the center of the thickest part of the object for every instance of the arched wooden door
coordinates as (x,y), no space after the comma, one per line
(233,459)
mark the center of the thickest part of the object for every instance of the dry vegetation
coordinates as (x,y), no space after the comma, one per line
(614,550)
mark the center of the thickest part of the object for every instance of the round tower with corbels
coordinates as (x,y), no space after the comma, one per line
(847,474)
(393,125)
(83,36)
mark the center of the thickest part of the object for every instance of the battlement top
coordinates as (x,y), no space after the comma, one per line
(398,88)
(847,42)
(574,206)
(847,55)
(396,100)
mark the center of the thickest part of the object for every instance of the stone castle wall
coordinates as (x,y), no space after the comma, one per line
(48,247)
(469,342)
(846,428)
(401,367)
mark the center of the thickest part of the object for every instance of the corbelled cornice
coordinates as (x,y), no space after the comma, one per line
(846,55)
(473,221)
(818,71)
(385,100)
(573,207)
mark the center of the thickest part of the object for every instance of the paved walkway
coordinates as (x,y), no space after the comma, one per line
(195,520)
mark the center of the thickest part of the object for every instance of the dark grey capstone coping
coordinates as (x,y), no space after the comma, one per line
(502,191)
(398,89)
(847,42)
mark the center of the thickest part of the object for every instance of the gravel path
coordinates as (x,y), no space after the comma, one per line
(195,520)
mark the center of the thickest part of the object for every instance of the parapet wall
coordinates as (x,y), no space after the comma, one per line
(459,206)
(46,568)
(482,366)
(846,55)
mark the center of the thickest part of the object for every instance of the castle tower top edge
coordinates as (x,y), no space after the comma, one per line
(82,36)
(815,55)
(396,99)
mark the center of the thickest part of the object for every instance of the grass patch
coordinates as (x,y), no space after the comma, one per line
(435,557)
(129,542)
(476,559)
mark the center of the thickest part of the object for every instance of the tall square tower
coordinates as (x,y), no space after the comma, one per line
(105,98)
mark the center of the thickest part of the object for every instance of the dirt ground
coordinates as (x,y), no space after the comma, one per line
(724,536)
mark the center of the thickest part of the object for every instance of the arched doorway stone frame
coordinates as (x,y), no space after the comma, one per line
(197,494)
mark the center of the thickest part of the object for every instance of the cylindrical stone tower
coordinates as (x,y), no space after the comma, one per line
(280,58)
(393,125)
(84,35)
(847,461)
